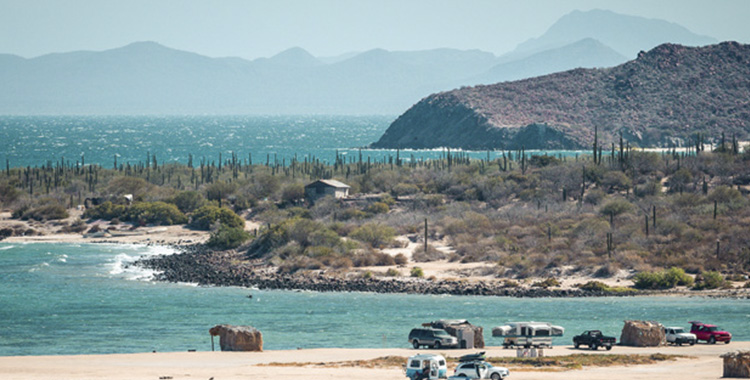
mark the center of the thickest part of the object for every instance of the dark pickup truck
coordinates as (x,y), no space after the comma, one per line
(594,339)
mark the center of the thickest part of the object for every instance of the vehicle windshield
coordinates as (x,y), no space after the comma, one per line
(442,334)
(713,328)
(679,331)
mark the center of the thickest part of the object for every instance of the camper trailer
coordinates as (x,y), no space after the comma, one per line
(527,334)
(435,365)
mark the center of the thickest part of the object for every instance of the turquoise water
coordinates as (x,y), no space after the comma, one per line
(35,140)
(84,299)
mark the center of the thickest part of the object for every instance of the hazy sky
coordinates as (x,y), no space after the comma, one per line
(251,29)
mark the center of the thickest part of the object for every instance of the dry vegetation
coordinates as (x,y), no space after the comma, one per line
(521,215)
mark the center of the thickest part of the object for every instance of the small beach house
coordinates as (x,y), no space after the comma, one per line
(325,187)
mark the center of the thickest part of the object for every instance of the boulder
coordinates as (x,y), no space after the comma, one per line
(452,326)
(737,364)
(238,338)
(642,334)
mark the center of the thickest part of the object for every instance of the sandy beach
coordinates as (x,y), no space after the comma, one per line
(704,363)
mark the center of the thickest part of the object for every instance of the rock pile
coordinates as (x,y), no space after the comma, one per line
(737,364)
(642,334)
(238,338)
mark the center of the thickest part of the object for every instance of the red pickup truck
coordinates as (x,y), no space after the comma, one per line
(709,333)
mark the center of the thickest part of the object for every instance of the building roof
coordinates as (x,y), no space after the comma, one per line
(330,182)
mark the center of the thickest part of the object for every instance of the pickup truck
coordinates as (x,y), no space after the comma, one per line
(678,336)
(709,333)
(594,339)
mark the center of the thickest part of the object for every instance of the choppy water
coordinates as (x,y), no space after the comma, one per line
(71,299)
(34,140)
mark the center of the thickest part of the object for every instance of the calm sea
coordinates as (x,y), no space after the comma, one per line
(85,299)
(35,140)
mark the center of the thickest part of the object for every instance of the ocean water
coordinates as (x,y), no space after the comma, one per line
(35,140)
(86,299)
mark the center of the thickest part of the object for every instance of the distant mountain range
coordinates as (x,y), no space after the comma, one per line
(665,97)
(148,78)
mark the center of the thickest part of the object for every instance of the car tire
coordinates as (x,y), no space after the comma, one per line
(727,342)
(495,376)
(679,343)
(692,342)
(609,348)
(437,345)
(576,345)
(711,340)
(594,347)
(415,343)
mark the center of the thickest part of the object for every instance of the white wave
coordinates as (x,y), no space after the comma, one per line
(121,264)
(38,267)
(7,247)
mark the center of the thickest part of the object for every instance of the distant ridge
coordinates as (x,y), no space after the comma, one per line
(663,97)
(625,34)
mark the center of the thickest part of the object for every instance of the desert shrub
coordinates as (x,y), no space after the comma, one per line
(159,213)
(342,263)
(392,273)
(710,280)
(616,181)
(206,216)
(548,283)
(432,254)
(388,199)
(664,279)
(6,232)
(400,259)
(404,189)
(375,234)
(48,210)
(351,213)
(138,187)
(106,211)
(8,193)
(510,284)
(416,272)
(724,194)
(650,188)
(596,286)
(227,238)
(747,285)
(77,226)
(544,160)
(377,208)
(367,275)
(616,207)
(595,196)
(188,201)
(292,193)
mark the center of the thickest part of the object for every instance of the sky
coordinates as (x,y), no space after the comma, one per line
(251,28)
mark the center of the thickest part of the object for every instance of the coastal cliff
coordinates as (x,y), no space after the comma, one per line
(664,97)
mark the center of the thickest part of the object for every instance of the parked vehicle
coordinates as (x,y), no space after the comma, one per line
(434,365)
(435,338)
(678,336)
(594,339)
(479,369)
(527,334)
(709,333)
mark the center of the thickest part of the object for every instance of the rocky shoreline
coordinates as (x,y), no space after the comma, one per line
(196,264)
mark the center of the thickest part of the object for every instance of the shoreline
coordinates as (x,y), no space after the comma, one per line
(192,263)
(702,361)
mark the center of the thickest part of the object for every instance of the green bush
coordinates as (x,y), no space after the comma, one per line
(227,238)
(400,259)
(416,272)
(392,273)
(378,208)
(188,201)
(665,279)
(44,212)
(376,235)
(597,286)
(710,280)
(159,213)
(616,207)
(106,211)
(206,216)
(548,283)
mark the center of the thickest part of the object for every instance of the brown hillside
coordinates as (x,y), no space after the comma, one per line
(664,97)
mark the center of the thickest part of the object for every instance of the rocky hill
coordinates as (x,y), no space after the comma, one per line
(666,96)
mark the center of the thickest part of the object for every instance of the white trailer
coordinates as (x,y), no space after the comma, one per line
(527,334)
